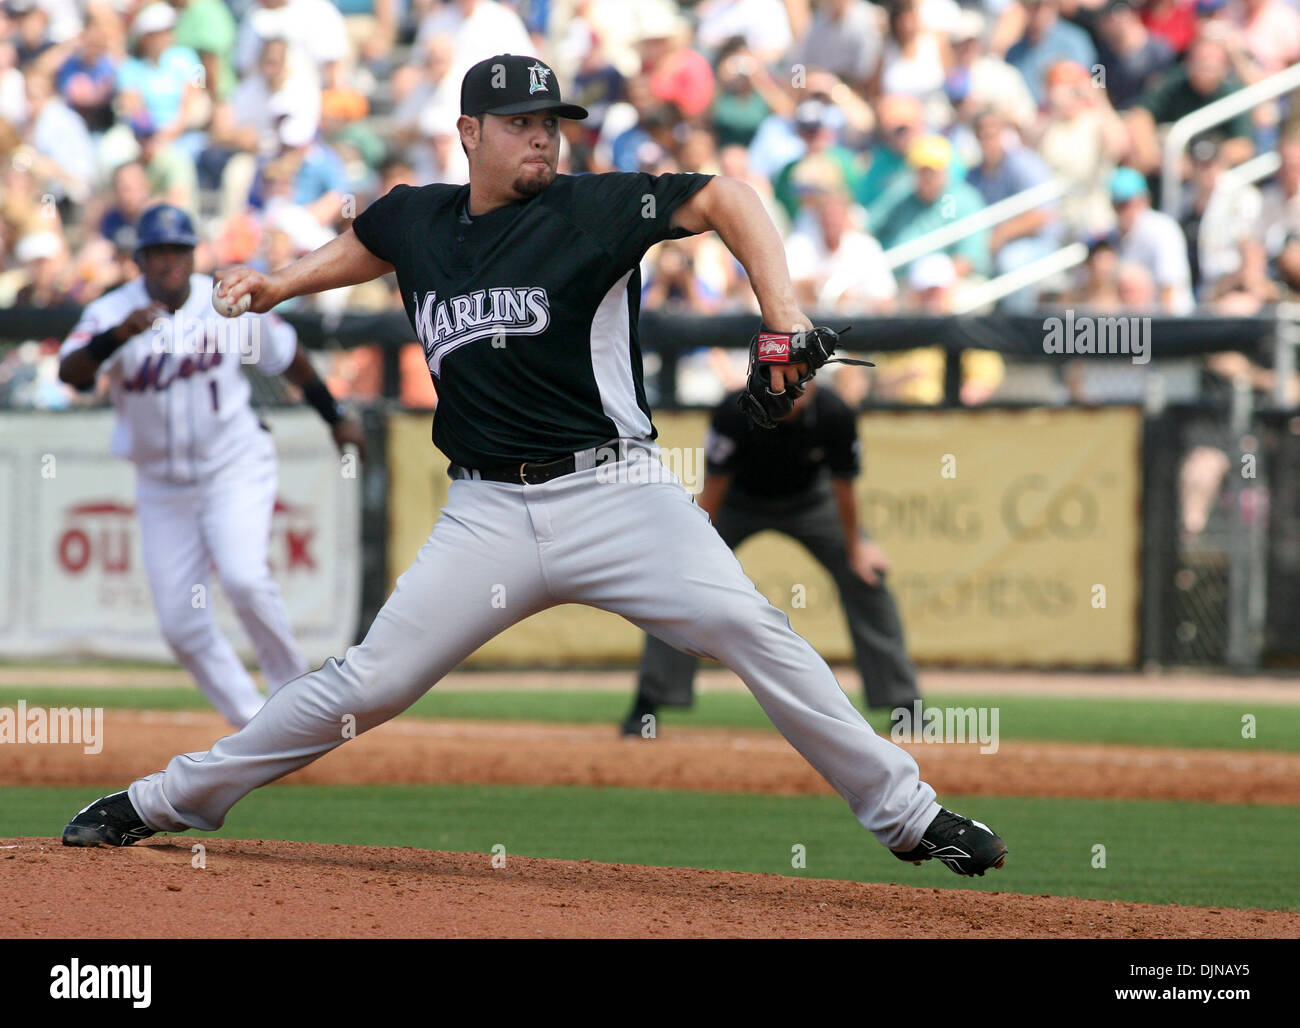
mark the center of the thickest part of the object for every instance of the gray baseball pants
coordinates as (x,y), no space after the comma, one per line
(667,676)
(625,537)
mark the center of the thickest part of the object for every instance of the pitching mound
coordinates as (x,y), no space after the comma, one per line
(254,889)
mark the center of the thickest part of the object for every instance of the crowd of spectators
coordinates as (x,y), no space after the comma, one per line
(862,127)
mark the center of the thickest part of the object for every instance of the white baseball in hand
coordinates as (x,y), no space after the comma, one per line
(227,309)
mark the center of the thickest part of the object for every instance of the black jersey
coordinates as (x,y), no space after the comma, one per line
(528,313)
(790,459)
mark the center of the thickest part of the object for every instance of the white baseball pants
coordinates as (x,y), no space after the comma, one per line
(223,520)
(500,553)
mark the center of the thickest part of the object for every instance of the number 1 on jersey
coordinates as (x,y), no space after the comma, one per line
(212,387)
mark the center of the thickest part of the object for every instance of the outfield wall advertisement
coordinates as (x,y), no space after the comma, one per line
(1014,539)
(70,561)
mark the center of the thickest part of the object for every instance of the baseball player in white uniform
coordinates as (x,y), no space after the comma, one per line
(205,465)
(523,287)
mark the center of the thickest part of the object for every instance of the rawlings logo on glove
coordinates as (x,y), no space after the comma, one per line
(814,348)
(773,348)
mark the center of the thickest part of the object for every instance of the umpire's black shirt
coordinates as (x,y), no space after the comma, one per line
(789,460)
(528,313)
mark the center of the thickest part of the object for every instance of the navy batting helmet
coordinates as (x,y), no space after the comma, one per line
(164,225)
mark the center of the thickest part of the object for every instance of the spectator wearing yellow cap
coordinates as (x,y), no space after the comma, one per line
(888,179)
(933,202)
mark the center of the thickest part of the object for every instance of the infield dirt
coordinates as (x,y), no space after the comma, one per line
(255,889)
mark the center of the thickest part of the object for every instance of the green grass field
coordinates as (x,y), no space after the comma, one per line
(1139,722)
(1187,853)
(1156,852)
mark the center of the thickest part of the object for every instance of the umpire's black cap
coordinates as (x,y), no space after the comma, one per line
(510,84)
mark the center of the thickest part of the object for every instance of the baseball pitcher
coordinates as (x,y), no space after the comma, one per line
(523,287)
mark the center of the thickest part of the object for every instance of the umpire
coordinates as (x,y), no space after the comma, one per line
(796,479)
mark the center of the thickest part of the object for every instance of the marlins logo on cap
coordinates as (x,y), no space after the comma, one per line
(537,73)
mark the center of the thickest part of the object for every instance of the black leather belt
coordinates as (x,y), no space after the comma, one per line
(538,471)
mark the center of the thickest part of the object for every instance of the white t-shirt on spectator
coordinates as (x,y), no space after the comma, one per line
(1225,225)
(439,119)
(314,27)
(65,19)
(1157,243)
(298,223)
(13,96)
(917,76)
(491,29)
(410,111)
(856,271)
(938,15)
(1279,217)
(764,24)
(59,134)
(255,106)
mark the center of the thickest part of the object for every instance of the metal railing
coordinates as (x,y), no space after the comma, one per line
(990,292)
(1229,183)
(1181,132)
(994,214)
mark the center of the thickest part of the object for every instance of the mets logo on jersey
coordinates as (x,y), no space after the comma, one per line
(446,325)
(537,75)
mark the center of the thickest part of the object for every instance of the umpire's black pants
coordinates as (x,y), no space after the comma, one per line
(667,676)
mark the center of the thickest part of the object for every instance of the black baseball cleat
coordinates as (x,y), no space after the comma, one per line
(633,726)
(968,847)
(109,821)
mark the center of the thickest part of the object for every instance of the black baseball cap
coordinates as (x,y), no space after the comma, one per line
(511,84)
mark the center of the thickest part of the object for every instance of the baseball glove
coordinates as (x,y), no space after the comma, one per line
(814,347)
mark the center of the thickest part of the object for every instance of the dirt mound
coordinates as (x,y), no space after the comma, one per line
(514,753)
(254,889)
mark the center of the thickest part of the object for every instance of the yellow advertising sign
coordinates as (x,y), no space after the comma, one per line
(1013,538)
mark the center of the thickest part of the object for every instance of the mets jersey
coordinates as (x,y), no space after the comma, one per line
(179,389)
